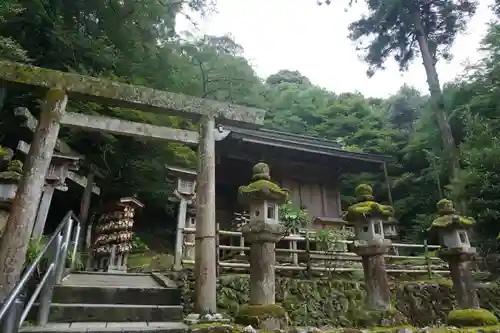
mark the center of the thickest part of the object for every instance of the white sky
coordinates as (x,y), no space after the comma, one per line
(313,40)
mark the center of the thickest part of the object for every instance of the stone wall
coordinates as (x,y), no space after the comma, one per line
(322,302)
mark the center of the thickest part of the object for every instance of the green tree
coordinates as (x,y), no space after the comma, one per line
(402,30)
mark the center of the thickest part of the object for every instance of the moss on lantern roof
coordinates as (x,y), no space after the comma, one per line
(448,217)
(262,187)
(13,173)
(367,206)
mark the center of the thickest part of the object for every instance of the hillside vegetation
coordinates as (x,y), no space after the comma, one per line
(135,42)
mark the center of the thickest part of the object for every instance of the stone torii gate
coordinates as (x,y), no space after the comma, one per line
(60,86)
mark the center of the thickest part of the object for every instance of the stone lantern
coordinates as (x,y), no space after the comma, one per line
(263,198)
(185,195)
(452,230)
(9,180)
(368,217)
(55,178)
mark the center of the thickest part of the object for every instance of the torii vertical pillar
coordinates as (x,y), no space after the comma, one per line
(205,258)
(15,241)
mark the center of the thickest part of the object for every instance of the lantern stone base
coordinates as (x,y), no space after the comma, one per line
(459,262)
(269,317)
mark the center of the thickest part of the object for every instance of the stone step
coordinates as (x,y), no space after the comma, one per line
(81,312)
(117,295)
(101,327)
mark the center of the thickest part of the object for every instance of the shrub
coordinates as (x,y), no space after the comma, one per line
(471,317)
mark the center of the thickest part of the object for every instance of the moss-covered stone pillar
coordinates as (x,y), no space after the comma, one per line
(456,250)
(263,198)
(367,217)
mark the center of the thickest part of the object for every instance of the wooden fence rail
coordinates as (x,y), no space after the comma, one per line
(307,259)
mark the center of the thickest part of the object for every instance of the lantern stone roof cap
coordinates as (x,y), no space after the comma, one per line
(262,188)
(366,207)
(13,172)
(448,217)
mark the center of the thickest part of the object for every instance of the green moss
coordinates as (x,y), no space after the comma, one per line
(3,151)
(471,317)
(445,206)
(483,329)
(9,177)
(389,329)
(364,192)
(447,220)
(366,209)
(15,165)
(254,314)
(447,216)
(264,189)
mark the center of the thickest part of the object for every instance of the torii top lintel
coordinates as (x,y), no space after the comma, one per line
(130,96)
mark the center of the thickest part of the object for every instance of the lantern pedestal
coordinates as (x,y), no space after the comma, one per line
(376,281)
(263,237)
(459,260)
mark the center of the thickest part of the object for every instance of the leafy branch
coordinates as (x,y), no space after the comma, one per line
(293,219)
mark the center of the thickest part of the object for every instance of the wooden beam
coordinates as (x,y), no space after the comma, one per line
(24,148)
(31,122)
(129,96)
(82,181)
(128,128)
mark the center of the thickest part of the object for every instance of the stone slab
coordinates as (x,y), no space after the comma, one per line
(109,280)
(93,327)
(68,313)
(115,295)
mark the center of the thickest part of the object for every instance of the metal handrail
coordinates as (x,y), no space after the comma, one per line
(11,317)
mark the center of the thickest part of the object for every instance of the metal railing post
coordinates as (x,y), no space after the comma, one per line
(78,229)
(10,323)
(46,293)
(61,264)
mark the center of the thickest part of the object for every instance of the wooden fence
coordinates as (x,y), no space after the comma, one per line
(298,256)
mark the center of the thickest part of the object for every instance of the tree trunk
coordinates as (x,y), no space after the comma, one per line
(449,145)
(14,243)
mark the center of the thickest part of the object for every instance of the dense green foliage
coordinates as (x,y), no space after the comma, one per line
(135,42)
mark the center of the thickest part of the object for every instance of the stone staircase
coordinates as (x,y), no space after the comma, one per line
(107,302)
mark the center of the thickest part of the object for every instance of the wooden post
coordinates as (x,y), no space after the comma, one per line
(24,208)
(43,211)
(179,238)
(308,254)
(388,184)
(205,261)
(84,212)
(427,260)
(86,199)
(217,250)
